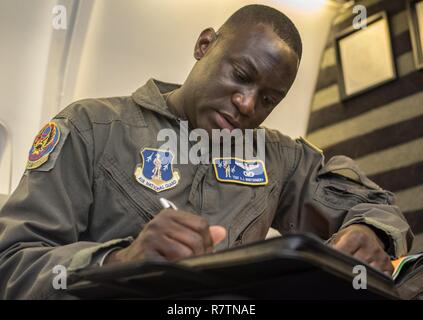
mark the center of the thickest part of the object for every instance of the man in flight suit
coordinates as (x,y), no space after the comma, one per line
(89,197)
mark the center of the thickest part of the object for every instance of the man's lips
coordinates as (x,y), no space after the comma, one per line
(225,121)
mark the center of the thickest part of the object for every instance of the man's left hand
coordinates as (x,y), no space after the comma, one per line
(362,243)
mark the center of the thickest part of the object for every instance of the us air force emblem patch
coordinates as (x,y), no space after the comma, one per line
(44,143)
(156,170)
(249,172)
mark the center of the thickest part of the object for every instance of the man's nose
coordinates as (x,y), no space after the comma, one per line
(245,102)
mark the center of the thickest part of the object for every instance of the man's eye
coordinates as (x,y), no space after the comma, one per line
(241,76)
(268,101)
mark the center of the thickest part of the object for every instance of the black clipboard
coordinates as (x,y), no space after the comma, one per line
(295,266)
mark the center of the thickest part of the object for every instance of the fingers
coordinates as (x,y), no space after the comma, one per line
(217,234)
(175,234)
(376,258)
(173,250)
(346,245)
(363,244)
(187,236)
(199,240)
(195,223)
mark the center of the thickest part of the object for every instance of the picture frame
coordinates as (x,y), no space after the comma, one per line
(365,57)
(415,20)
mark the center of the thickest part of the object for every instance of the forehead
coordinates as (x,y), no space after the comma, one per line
(261,46)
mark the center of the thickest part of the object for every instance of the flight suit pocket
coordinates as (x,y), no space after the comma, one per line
(253,222)
(338,194)
(140,199)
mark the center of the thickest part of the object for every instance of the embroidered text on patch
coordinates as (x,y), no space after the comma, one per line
(249,172)
(156,170)
(44,144)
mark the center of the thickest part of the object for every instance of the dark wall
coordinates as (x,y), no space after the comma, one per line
(383,128)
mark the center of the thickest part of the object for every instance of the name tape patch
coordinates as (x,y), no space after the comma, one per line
(249,172)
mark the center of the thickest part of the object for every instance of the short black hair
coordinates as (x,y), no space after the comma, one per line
(255,14)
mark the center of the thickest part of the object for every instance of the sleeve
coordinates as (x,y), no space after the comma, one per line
(323,198)
(46,219)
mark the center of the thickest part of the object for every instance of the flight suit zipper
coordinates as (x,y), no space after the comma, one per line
(132,201)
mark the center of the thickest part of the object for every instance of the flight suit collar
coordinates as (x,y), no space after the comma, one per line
(150,96)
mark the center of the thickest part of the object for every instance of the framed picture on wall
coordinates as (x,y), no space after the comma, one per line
(415,18)
(364,57)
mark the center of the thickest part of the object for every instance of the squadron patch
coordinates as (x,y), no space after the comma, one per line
(44,143)
(249,172)
(156,170)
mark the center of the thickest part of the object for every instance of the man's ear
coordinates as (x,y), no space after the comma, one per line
(205,40)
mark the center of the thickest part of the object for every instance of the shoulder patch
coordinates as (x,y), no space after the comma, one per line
(47,140)
(305,141)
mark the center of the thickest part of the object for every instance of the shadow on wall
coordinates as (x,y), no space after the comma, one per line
(5,161)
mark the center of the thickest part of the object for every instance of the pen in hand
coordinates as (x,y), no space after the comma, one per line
(166,204)
(217,233)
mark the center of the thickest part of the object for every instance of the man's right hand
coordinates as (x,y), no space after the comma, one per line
(171,235)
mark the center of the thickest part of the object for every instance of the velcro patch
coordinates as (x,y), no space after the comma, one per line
(249,172)
(156,170)
(43,145)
